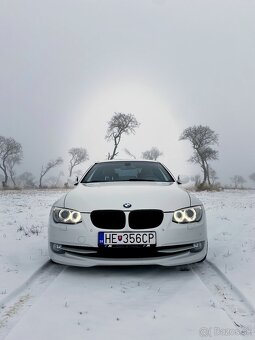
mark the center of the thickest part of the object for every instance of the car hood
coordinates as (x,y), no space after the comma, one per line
(97,196)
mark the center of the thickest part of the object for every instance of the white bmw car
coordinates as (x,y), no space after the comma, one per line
(127,213)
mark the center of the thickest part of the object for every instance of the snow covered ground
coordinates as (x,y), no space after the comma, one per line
(145,302)
(23,234)
(231,229)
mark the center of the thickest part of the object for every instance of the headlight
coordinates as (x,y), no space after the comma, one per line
(188,215)
(62,215)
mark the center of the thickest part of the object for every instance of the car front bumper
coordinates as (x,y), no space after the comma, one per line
(84,236)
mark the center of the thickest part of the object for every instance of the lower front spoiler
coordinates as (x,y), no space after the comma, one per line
(184,258)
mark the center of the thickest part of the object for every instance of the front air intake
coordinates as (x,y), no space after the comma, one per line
(108,219)
(145,219)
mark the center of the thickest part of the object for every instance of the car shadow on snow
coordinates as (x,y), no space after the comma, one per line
(132,271)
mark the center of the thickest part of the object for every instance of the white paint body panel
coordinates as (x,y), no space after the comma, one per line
(167,197)
(142,195)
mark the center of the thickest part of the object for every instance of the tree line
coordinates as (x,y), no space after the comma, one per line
(202,139)
(11,154)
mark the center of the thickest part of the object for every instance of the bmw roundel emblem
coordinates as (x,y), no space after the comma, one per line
(127,205)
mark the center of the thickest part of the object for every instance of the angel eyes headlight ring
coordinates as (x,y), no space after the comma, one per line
(68,216)
(188,215)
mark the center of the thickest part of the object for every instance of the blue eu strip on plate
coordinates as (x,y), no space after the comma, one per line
(101,238)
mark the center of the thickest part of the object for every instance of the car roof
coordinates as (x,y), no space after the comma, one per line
(127,160)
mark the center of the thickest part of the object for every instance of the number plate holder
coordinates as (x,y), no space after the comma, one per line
(106,239)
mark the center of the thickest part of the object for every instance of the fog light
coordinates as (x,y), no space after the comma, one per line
(57,248)
(198,246)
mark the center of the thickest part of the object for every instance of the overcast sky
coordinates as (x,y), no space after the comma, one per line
(67,66)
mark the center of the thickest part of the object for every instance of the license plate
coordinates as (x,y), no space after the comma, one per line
(128,238)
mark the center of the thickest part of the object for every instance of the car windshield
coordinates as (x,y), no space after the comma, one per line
(127,171)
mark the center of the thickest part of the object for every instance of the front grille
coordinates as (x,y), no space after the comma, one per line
(137,219)
(108,219)
(145,219)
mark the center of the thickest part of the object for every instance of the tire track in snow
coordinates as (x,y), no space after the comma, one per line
(229,297)
(15,304)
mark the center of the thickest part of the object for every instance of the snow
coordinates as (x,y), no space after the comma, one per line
(137,302)
(231,234)
(23,234)
(127,302)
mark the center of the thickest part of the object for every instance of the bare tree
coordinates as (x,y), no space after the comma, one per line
(27,180)
(201,139)
(238,181)
(120,124)
(9,149)
(50,165)
(11,162)
(78,156)
(129,153)
(152,154)
(213,175)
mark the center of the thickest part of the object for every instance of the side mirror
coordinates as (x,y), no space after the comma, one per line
(76,181)
(182,179)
